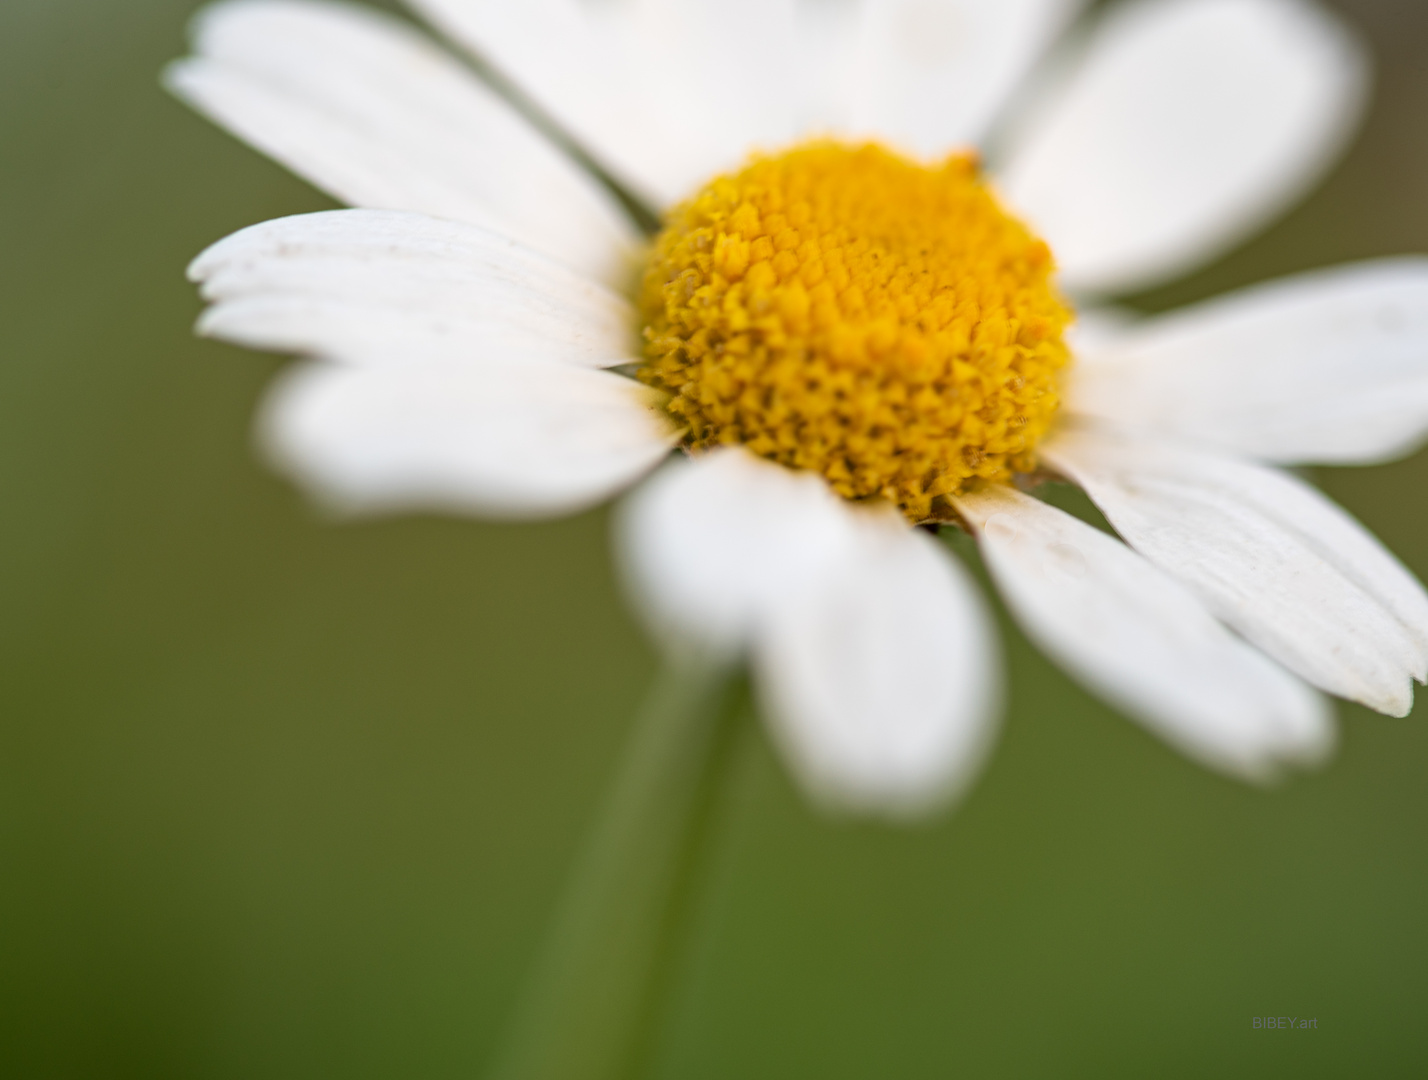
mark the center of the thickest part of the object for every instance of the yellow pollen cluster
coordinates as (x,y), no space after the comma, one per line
(844,310)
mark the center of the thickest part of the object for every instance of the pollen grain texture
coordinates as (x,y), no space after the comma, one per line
(844,310)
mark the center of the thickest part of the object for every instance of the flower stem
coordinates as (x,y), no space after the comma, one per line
(592,1007)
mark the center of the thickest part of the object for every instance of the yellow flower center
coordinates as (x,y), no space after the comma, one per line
(844,310)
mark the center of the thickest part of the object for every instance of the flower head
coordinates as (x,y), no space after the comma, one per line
(847,327)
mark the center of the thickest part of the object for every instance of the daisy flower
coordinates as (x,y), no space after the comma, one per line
(854,324)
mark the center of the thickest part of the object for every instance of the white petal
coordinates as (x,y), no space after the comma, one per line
(1095,333)
(1327,367)
(375,115)
(724,71)
(827,58)
(708,547)
(1143,641)
(1187,124)
(882,681)
(497,439)
(1269,555)
(380,287)
(933,74)
(663,95)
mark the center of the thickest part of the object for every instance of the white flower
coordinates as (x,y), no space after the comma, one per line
(461,323)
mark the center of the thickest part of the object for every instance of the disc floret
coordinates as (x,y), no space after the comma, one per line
(847,311)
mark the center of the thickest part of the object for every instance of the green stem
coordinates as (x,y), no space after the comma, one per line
(591,1008)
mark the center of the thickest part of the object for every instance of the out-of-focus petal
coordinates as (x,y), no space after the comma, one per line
(1328,367)
(933,74)
(1184,127)
(375,115)
(1140,639)
(663,95)
(882,681)
(726,73)
(1269,555)
(1094,334)
(523,440)
(708,547)
(826,60)
(874,658)
(376,287)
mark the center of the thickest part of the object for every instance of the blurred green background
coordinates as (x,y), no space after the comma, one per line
(281,798)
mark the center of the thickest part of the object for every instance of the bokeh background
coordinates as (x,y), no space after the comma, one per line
(285,798)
